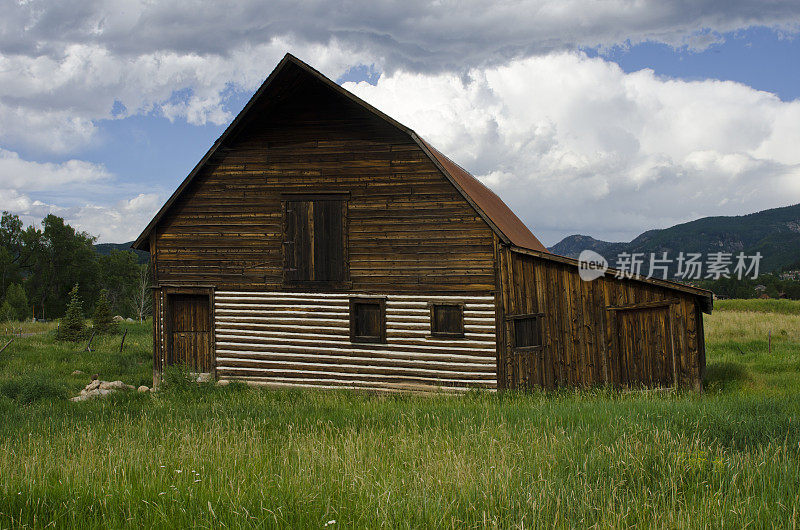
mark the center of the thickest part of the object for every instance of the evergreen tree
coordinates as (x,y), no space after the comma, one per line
(103,320)
(18,302)
(72,327)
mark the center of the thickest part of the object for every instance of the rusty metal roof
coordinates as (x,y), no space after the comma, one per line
(500,214)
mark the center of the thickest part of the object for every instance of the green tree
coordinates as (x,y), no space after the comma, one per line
(6,313)
(119,276)
(72,327)
(62,257)
(12,250)
(17,302)
(102,319)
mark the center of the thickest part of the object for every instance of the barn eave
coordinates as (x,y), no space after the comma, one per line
(704,297)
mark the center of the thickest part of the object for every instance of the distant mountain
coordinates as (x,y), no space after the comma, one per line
(775,233)
(105,248)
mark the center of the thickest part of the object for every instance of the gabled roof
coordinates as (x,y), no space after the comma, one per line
(501,215)
(509,228)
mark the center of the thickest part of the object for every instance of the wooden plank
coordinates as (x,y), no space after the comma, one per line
(500,343)
(644,304)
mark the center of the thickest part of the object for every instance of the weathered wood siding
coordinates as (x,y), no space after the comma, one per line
(408,235)
(585,326)
(303,339)
(409,230)
(159,348)
(189,333)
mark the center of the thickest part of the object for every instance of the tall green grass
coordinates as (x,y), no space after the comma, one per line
(786,307)
(40,357)
(200,455)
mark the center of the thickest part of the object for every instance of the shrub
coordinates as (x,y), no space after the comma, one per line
(177,378)
(11,388)
(17,302)
(182,380)
(6,312)
(32,388)
(72,327)
(39,388)
(102,319)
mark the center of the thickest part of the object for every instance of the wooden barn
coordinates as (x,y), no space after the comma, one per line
(321,243)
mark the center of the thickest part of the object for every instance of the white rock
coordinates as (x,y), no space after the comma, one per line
(99,388)
(204,377)
(223,382)
(114,385)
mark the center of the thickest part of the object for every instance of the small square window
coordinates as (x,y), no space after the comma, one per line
(367,320)
(527,332)
(447,320)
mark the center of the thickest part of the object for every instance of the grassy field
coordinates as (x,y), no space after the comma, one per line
(237,457)
(786,307)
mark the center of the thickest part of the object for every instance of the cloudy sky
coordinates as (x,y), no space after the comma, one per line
(597,117)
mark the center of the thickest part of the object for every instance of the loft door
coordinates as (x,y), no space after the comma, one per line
(314,241)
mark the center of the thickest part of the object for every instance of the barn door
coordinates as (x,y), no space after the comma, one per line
(645,346)
(190,332)
(525,368)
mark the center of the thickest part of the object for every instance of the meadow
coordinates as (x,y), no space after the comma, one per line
(208,456)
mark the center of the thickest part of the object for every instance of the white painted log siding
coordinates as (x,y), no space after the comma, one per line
(303,339)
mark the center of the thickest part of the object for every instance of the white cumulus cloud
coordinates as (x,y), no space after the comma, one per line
(575,144)
(63,66)
(27,175)
(117,222)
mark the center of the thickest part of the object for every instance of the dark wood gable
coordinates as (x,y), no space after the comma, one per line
(307,160)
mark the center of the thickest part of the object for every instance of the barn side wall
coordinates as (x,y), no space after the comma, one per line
(302,339)
(580,339)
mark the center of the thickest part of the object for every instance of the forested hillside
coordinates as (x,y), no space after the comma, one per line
(774,233)
(104,249)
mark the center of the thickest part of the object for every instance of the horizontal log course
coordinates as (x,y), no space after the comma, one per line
(294,336)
